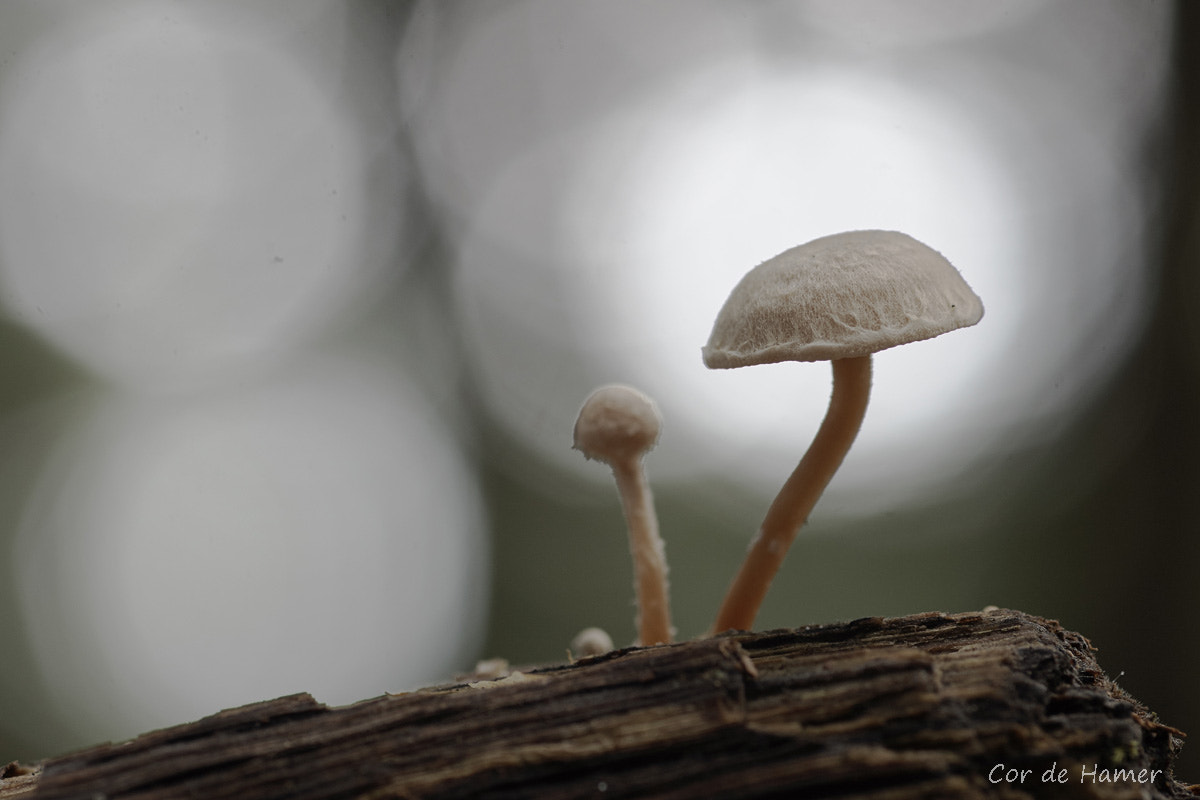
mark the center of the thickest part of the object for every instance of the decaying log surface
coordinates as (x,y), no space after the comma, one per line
(921,706)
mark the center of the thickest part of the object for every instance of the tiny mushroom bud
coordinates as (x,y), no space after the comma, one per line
(839,298)
(590,642)
(617,425)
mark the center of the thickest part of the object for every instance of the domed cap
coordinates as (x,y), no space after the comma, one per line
(616,423)
(840,296)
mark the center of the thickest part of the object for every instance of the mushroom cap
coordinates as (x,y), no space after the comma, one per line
(840,296)
(616,423)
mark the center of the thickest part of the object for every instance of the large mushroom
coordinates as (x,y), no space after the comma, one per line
(839,298)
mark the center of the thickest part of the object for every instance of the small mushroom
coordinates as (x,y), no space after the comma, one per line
(618,425)
(590,642)
(839,298)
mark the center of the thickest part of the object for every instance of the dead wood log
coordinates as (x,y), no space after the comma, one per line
(989,704)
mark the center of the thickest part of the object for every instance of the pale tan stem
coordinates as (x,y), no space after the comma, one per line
(847,406)
(649,558)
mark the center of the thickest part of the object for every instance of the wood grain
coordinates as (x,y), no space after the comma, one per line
(919,706)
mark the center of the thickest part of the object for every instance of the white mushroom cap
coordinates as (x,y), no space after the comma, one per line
(617,423)
(840,296)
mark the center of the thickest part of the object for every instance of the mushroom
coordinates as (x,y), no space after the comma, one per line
(618,425)
(590,642)
(839,298)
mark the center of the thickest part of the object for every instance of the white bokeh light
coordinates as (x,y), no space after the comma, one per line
(599,231)
(313,531)
(782,162)
(670,202)
(177,198)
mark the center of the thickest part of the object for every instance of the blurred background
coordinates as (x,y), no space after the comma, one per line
(298,302)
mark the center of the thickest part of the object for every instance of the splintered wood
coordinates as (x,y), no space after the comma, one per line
(989,704)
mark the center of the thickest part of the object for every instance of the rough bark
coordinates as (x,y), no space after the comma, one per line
(913,707)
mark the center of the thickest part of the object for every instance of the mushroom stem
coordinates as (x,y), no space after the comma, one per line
(791,507)
(649,557)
